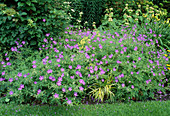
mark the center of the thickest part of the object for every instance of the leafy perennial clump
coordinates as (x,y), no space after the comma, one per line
(60,73)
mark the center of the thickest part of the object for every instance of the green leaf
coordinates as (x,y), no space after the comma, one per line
(33,42)
(22,19)
(28,2)
(20,4)
(141,18)
(23,13)
(33,8)
(34,1)
(9,17)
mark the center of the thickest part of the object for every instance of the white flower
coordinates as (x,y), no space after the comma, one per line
(128,16)
(72,10)
(111,8)
(79,21)
(110,19)
(130,10)
(127,23)
(81,13)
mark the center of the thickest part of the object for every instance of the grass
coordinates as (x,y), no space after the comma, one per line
(149,108)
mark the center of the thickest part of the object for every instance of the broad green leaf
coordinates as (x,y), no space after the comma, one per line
(34,1)
(20,4)
(23,13)
(28,2)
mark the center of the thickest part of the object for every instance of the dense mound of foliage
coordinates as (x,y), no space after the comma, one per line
(117,66)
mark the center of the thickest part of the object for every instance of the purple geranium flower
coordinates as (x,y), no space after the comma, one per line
(81,88)
(3,73)
(132,86)
(10,79)
(70,67)
(44,20)
(41,78)
(72,77)
(63,89)
(19,74)
(82,81)
(11,92)
(69,88)
(139,58)
(49,71)
(102,80)
(34,66)
(114,69)
(102,72)
(75,94)
(34,62)
(78,67)
(123,85)
(135,49)
(58,83)
(56,95)
(62,69)
(47,34)
(69,102)
(58,60)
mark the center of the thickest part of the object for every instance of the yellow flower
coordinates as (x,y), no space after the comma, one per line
(86,38)
(168,50)
(169,68)
(145,15)
(152,15)
(158,19)
(81,48)
(82,42)
(168,64)
(166,55)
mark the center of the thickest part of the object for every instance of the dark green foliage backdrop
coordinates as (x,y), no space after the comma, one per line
(23,19)
(93,11)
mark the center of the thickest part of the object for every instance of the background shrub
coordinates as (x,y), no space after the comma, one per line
(30,21)
(92,11)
